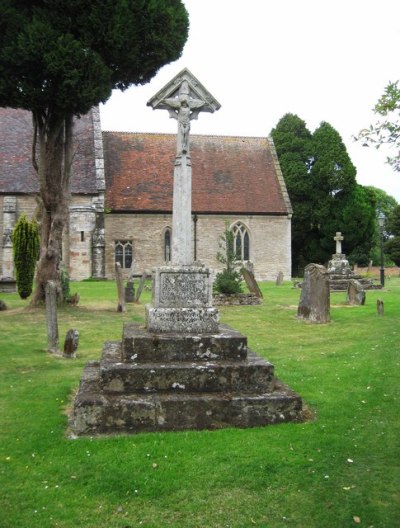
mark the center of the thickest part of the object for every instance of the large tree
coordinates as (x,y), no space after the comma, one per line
(387,130)
(58,58)
(293,143)
(320,178)
(392,246)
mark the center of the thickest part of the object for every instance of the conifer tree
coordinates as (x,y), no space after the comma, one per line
(25,239)
(58,59)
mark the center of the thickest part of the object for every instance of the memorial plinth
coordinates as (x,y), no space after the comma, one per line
(182,370)
(182,301)
(340,272)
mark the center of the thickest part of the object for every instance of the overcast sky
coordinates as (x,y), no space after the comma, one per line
(323,60)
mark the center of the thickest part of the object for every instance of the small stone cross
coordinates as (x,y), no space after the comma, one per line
(338,238)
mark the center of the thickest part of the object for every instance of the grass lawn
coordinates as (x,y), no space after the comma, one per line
(341,469)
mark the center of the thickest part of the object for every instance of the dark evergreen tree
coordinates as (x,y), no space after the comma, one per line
(293,143)
(58,58)
(25,239)
(325,197)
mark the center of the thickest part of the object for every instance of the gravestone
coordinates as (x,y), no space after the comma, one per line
(251,283)
(340,272)
(71,344)
(129,292)
(141,285)
(379,307)
(120,287)
(279,279)
(183,370)
(51,317)
(3,305)
(355,293)
(314,304)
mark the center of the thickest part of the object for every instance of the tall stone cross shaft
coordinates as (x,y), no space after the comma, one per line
(184,97)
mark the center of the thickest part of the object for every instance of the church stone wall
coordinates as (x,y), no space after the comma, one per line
(269,241)
(77,239)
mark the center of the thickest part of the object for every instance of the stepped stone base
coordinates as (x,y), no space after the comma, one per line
(176,382)
(341,282)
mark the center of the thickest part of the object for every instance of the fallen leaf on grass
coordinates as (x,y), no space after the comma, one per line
(356,519)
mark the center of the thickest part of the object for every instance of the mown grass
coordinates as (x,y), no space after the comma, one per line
(333,471)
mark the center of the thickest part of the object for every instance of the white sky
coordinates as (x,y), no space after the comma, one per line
(324,60)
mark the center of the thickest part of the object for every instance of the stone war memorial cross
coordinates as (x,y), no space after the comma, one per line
(182,370)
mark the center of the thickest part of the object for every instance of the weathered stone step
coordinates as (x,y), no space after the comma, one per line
(141,346)
(96,412)
(253,374)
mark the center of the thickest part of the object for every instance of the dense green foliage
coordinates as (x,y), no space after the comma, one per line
(392,246)
(25,239)
(62,57)
(387,131)
(58,59)
(384,204)
(227,281)
(321,181)
(341,464)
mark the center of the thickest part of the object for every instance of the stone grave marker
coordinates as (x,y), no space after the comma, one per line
(120,287)
(355,293)
(51,316)
(71,343)
(279,279)
(314,304)
(129,291)
(141,286)
(251,283)
(379,307)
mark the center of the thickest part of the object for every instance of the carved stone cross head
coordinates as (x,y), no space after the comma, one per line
(338,239)
(184,97)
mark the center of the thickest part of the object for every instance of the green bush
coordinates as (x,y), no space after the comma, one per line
(228,281)
(26,244)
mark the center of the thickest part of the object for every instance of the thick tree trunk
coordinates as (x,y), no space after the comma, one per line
(54,137)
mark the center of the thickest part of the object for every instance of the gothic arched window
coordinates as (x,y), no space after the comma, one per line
(241,241)
(123,253)
(167,244)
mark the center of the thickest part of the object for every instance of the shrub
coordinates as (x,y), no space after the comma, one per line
(228,281)
(25,239)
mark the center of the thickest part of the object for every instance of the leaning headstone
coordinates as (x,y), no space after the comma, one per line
(120,287)
(129,292)
(3,305)
(71,343)
(314,304)
(279,279)
(379,306)
(251,283)
(369,270)
(51,316)
(141,286)
(355,293)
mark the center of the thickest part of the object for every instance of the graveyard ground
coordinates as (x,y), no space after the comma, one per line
(339,469)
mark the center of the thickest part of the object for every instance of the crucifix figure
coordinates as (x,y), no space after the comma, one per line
(338,238)
(183,108)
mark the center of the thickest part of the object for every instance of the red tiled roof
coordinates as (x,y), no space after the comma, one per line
(16,171)
(230,174)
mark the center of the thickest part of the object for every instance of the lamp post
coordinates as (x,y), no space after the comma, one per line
(381,222)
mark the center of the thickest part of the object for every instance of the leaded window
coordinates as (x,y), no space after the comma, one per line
(123,253)
(241,241)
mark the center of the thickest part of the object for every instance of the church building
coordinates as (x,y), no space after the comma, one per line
(121,199)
